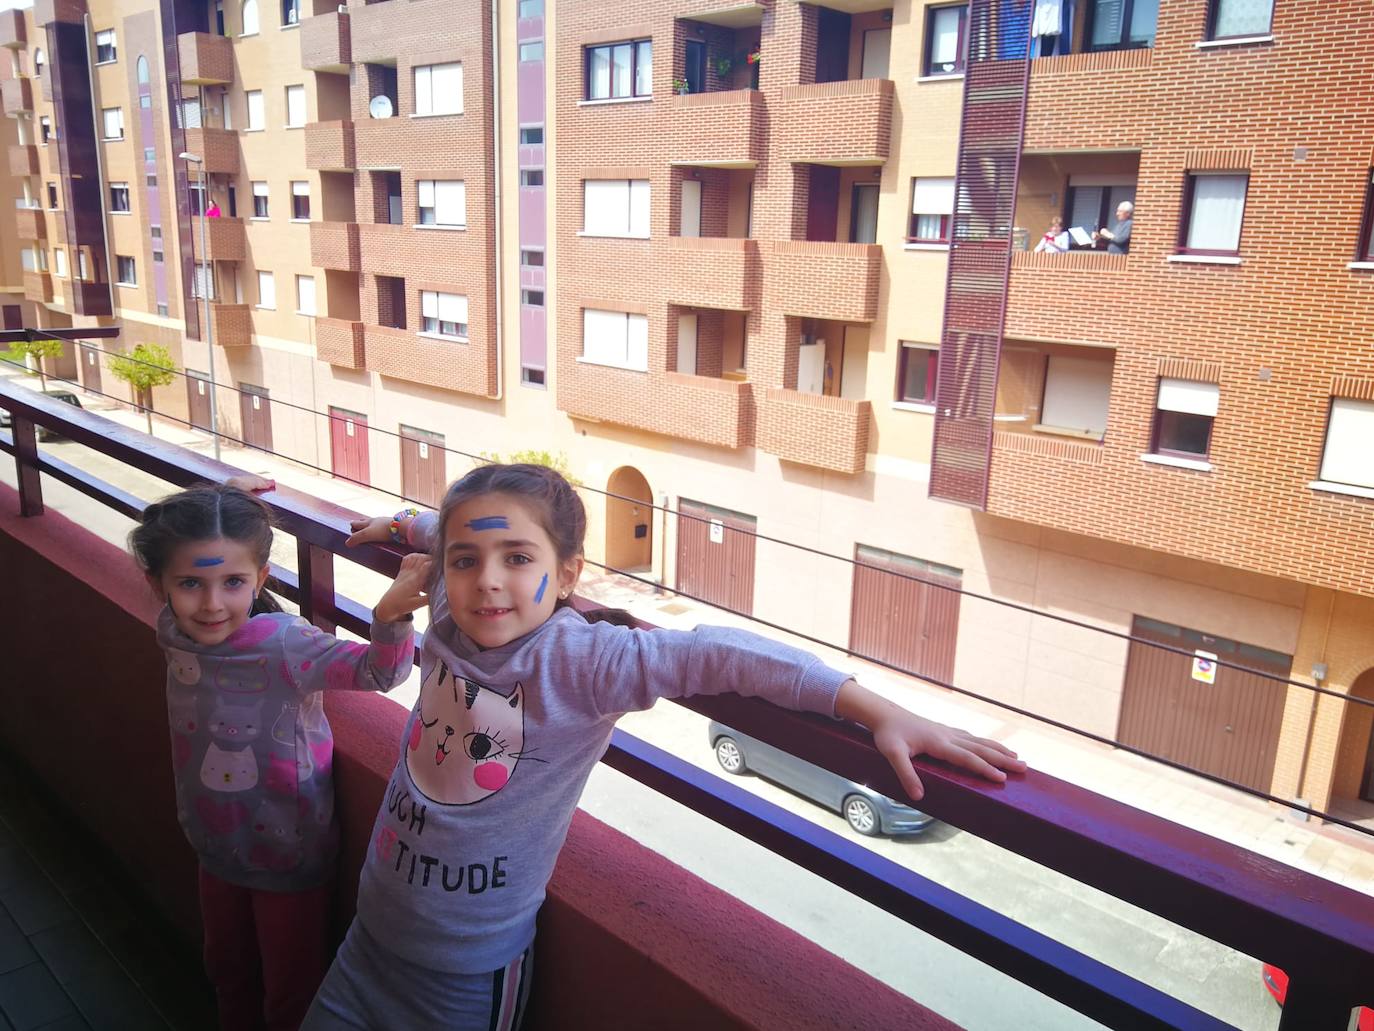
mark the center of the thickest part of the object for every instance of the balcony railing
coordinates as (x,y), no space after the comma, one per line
(225,238)
(206,59)
(403,354)
(700,408)
(716,128)
(1320,933)
(233,324)
(329,146)
(17,95)
(812,429)
(12,31)
(1060,296)
(822,280)
(713,272)
(846,122)
(218,147)
(86,297)
(326,42)
(340,342)
(31,224)
(23,159)
(334,245)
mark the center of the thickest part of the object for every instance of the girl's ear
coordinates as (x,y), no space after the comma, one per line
(569,573)
(156,585)
(263,574)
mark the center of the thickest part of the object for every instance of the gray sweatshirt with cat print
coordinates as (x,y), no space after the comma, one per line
(496,752)
(252,752)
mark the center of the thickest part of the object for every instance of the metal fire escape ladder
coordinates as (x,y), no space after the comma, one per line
(996,86)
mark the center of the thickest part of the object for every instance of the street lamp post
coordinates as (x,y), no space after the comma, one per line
(205,285)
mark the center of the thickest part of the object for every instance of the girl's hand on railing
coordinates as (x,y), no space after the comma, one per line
(376,530)
(251,483)
(901,736)
(407,591)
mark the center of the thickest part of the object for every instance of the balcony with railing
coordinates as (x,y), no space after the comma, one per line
(712,271)
(326,42)
(716,129)
(233,324)
(699,952)
(17,95)
(31,223)
(822,280)
(207,59)
(856,116)
(339,342)
(225,238)
(825,432)
(23,159)
(218,147)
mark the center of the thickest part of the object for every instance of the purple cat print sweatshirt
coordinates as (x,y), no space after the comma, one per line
(495,755)
(252,752)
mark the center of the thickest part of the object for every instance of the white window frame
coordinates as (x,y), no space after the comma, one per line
(300,188)
(257,111)
(1077,395)
(1205,245)
(1347,458)
(260,189)
(443,315)
(295,107)
(442,203)
(305,295)
(616,338)
(931,197)
(616,208)
(106,37)
(267,291)
(250,22)
(133,264)
(105,119)
(59,258)
(438,89)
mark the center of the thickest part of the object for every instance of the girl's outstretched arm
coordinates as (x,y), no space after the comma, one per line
(901,736)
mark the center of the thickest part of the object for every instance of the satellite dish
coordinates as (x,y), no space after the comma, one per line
(380,107)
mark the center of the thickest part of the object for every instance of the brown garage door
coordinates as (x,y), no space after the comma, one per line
(423,468)
(715,555)
(198,399)
(1229,728)
(90,368)
(256,412)
(909,623)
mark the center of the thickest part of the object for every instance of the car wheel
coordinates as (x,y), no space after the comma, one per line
(860,814)
(729,756)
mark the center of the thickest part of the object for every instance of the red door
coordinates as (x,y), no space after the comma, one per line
(348,445)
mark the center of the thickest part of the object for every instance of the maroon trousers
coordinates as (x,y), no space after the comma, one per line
(265,952)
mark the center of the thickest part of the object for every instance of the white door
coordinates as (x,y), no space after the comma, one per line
(811,368)
(691,208)
(687,343)
(877,47)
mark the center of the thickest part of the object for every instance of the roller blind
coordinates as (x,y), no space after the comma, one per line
(450,199)
(933,196)
(295,105)
(300,188)
(1348,457)
(615,207)
(1188,396)
(1077,391)
(256,118)
(305,295)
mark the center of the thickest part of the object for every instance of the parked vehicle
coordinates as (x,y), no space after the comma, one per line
(1276,981)
(43,432)
(867,811)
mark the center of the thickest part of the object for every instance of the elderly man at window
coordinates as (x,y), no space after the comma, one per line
(1119,239)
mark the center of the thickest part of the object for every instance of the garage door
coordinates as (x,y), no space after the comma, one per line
(348,444)
(911,623)
(1228,727)
(423,468)
(715,555)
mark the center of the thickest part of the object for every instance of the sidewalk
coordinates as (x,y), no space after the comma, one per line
(1333,852)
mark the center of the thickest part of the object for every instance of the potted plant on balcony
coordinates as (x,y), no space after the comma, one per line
(724,64)
(681,87)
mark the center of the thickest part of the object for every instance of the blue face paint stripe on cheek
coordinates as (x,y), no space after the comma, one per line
(201,563)
(539,594)
(489,523)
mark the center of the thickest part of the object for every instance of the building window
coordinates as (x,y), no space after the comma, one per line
(1347,457)
(444,315)
(83,268)
(267,290)
(38,61)
(190,113)
(531,377)
(197,194)
(119,196)
(531,135)
(532,259)
(1233,19)
(105,51)
(532,51)
(916,376)
(615,207)
(59,260)
(305,295)
(439,89)
(28,259)
(44,129)
(203,283)
(250,17)
(533,298)
(52,196)
(443,202)
(300,200)
(615,338)
(618,70)
(1213,210)
(295,107)
(932,206)
(1076,396)
(1121,24)
(150,181)
(946,40)
(126,271)
(112,123)
(532,177)
(260,200)
(163,310)
(1092,205)
(257,117)
(290,12)
(531,8)
(1184,414)
(1366,249)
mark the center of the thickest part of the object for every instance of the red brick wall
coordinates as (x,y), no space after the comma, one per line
(1278,328)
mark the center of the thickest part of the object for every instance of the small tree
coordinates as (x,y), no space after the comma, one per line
(38,350)
(557,462)
(145,367)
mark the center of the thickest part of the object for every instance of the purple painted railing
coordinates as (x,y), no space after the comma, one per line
(1320,933)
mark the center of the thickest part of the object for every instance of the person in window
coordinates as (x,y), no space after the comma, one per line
(213,210)
(1055,240)
(1119,239)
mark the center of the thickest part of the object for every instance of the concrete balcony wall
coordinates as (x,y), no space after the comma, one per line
(13,32)
(1095,99)
(233,324)
(88,298)
(812,429)
(699,408)
(712,272)
(218,147)
(403,354)
(329,146)
(31,224)
(822,280)
(1061,296)
(225,237)
(45,12)
(17,95)
(38,286)
(334,245)
(842,123)
(206,59)
(23,159)
(725,128)
(339,342)
(326,42)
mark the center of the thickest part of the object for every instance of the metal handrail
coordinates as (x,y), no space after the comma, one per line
(1320,933)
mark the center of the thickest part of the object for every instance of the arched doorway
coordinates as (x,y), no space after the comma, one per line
(1354,777)
(629,524)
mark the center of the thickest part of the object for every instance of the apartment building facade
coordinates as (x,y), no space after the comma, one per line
(703,250)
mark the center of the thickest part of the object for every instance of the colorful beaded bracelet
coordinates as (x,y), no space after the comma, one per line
(396,523)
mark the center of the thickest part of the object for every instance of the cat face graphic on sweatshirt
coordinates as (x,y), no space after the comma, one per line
(465,740)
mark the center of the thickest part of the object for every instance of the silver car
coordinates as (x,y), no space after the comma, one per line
(864,809)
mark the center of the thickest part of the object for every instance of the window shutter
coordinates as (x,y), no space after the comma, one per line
(267,290)
(429,304)
(259,189)
(255,110)
(637,344)
(453,308)
(447,88)
(639,207)
(295,105)
(605,208)
(305,295)
(604,336)
(1188,396)
(450,202)
(1077,391)
(933,196)
(426,191)
(424,95)
(1348,458)
(300,188)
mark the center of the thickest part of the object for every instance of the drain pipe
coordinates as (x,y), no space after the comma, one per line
(100,169)
(496,186)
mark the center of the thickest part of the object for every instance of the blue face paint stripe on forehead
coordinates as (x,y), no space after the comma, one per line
(201,563)
(539,594)
(489,523)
